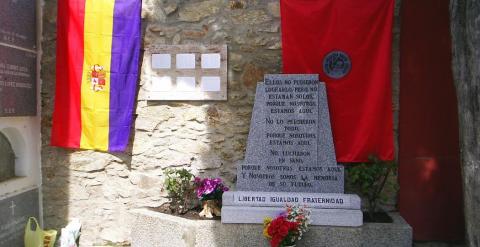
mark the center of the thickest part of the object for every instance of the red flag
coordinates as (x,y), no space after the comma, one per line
(348,43)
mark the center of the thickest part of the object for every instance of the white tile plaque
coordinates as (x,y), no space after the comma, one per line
(162,83)
(211,61)
(161,61)
(185,72)
(210,83)
(186,84)
(185,61)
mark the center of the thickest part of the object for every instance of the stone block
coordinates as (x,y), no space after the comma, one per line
(157,229)
(398,233)
(280,199)
(152,229)
(319,217)
(290,145)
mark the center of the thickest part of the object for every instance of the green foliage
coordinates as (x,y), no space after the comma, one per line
(369,180)
(179,185)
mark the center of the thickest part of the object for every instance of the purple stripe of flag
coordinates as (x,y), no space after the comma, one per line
(124,71)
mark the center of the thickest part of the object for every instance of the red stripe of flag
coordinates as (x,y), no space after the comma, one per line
(66,127)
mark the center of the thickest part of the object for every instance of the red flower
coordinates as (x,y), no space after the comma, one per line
(275,225)
(279,229)
(275,242)
(283,230)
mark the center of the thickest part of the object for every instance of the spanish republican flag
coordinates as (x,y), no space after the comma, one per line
(98,46)
(349,44)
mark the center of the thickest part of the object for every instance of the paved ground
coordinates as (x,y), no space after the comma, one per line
(438,244)
(415,244)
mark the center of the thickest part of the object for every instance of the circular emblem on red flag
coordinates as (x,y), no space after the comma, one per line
(337,64)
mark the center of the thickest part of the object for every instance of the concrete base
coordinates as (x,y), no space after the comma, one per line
(153,229)
(319,217)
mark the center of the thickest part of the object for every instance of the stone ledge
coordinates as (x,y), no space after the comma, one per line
(153,229)
(319,217)
(311,200)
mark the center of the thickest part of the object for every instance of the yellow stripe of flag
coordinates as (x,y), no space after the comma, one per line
(95,97)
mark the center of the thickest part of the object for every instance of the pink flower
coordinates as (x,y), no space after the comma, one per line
(209,188)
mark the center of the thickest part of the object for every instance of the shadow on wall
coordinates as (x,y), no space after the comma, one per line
(55,162)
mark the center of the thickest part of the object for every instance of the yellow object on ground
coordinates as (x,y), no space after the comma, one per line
(36,236)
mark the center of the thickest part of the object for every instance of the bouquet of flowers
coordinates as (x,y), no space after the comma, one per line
(210,192)
(288,227)
(209,188)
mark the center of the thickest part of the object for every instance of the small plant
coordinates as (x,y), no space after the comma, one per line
(369,179)
(288,227)
(179,186)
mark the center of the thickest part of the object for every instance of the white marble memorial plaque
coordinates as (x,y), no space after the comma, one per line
(186,84)
(210,83)
(196,72)
(211,61)
(161,61)
(185,61)
(163,83)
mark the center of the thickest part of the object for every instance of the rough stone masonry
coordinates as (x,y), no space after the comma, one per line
(207,137)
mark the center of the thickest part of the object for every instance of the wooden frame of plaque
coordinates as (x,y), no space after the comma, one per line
(186,72)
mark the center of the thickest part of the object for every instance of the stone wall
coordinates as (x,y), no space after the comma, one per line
(466,70)
(207,137)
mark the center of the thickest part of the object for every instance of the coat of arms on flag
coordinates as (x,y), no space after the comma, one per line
(97,77)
